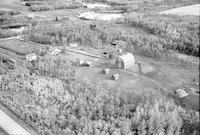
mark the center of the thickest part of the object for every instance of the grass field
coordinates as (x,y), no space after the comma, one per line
(187,10)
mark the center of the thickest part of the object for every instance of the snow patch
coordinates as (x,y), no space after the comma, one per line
(99,16)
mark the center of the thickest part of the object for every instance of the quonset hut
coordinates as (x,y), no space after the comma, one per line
(125,61)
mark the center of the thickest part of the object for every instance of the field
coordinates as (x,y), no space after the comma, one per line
(187,10)
(65,89)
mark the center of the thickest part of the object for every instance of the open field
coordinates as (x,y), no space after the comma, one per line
(12,4)
(67,74)
(187,10)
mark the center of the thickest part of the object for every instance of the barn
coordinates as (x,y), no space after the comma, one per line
(125,61)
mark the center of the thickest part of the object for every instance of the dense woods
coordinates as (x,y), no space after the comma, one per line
(177,32)
(73,106)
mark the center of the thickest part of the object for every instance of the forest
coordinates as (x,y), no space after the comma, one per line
(164,33)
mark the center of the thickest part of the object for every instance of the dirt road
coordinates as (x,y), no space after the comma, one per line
(10,126)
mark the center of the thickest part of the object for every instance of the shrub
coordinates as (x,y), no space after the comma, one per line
(6,33)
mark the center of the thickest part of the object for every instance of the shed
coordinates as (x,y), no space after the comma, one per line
(31,57)
(106,71)
(125,61)
(80,62)
(87,63)
(115,76)
(74,44)
(56,51)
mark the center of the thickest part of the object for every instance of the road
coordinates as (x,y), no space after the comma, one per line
(10,126)
(2,132)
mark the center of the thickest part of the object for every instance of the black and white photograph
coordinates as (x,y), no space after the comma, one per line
(99,67)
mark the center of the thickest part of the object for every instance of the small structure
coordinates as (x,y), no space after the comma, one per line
(75,44)
(106,71)
(79,62)
(181,93)
(119,50)
(55,51)
(115,76)
(87,63)
(125,61)
(31,57)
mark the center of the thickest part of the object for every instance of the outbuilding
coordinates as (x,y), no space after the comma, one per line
(106,71)
(181,93)
(115,76)
(125,61)
(31,57)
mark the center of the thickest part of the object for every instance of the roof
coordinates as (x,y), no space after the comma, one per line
(128,60)
(126,57)
(181,93)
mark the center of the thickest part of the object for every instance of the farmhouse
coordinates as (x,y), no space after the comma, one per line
(125,61)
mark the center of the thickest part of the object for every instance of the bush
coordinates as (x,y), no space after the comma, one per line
(41,7)
(12,12)
(7,33)
(37,8)
(181,35)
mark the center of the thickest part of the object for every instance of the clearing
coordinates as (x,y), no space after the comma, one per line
(186,10)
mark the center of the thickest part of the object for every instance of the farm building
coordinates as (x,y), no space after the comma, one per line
(181,93)
(31,57)
(125,61)
(106,71)
(115,76)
